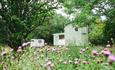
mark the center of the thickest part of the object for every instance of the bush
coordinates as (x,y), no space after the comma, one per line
(96,35)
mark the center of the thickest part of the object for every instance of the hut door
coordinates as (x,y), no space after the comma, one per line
(56,40)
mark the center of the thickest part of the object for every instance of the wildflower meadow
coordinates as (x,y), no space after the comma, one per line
(58,58)
(57,34)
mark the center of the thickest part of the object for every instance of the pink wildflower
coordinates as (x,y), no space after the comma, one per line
(19,49)
(66,49)
(49,63)
(111,58)
(106,53)
(81,52)
(3,53)
(64,62)
(94,52)
(76,62)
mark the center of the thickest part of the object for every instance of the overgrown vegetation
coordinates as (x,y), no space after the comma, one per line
(22,20)
(57,58)
(96,35)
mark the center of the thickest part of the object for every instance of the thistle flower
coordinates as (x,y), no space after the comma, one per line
(94,52)
(101,53)
(3,53)
(81,52)
(111,58)
(76,62)
(52,65)
(49,63)
(70,61)
(53,49)
(99,61)
(80,49)
(106,53)
(19,49)
(106,49)
(64,62)
(2,62)
(66,49)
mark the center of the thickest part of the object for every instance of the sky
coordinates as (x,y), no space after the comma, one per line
(61,12)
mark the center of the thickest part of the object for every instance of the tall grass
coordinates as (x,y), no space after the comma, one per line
(35,58)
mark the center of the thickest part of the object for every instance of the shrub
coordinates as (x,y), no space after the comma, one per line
(96,35)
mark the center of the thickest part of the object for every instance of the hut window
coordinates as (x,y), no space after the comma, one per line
(61,36)
(83,33)
(39,41)
(76,28)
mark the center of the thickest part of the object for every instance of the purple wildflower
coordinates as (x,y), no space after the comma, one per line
(106,53)
(111,58)
(3,53)
(76,62)
(94,52)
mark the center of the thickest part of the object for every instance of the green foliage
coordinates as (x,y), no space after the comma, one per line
(96,35)
(55,24)
(87,17)
(20,20)
(109,31)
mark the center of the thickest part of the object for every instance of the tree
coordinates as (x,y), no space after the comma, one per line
(54,24)
(19,19)
(87,16)
(96,35)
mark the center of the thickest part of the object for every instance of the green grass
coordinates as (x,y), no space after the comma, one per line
(35,58)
